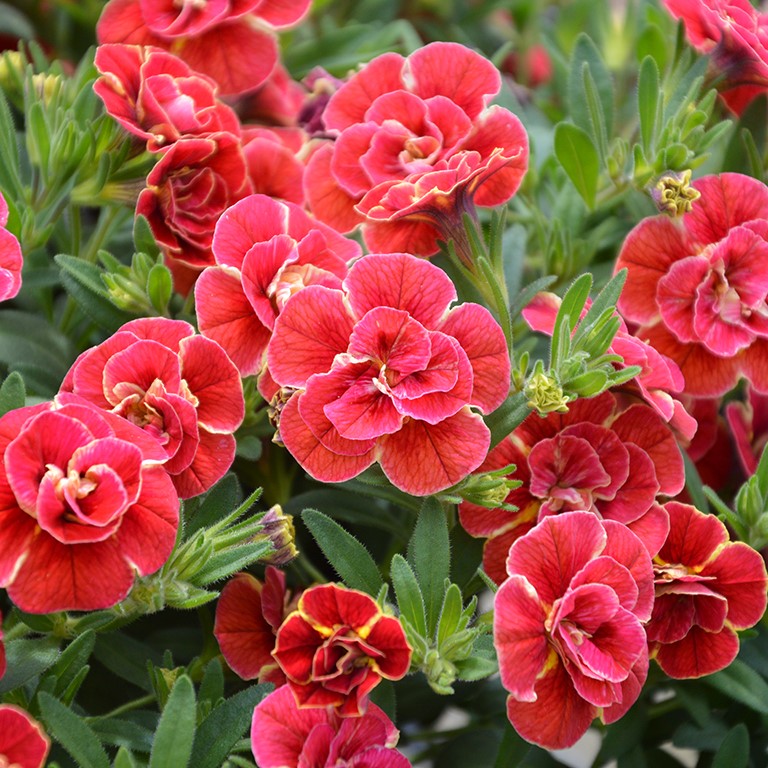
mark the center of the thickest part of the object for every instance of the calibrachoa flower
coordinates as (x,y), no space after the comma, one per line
(735,34)
(156,96)
(23,743)
(205,34)
(265,251)
(248,615)
(286,736)
(272,156)
(698,285)
(707,587)
(401,118)
(386,372)
(11,259)
(337,646)
(748,424)
(195,180)
(84,507)
(178,386)
(568,626)
(598,457)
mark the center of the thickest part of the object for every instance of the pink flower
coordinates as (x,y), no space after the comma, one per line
(11,259)
(386,372)
(179,387)
(337,646)
(532,67)
(707,587)
(23,743)
(598,457)
(568,626)
(401,118)
(698,285)
(657,383)
(206,34)
(156,96)
(275,168)
(84,507)
(284,736)
(735,34)
(265,252)
(248,615)
(193,183)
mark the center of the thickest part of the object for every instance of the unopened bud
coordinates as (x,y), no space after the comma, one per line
(545,395)
(278,528)
(673,193)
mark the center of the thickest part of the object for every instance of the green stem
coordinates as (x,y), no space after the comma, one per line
(128,707)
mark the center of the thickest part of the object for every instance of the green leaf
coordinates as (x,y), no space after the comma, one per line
(586,56)
(606,299)
(507,416)
(212,684)
(224,726)
(578,156)
(12,393)
(742,683)
(26,659)
(127,658)
(124,759)
(72,660)
(230,561)
(450,614)
(734,750)
(143,239)
(429,554)
(575,298)
(648,102)
(475,668)
(72,733)
(213,506)
(160,287)
(122,733)
(175,734)
(410,601)
(349,558)
(528,292)
(83,283)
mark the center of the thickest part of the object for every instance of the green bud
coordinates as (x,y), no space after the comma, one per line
(160,287)
(545,395)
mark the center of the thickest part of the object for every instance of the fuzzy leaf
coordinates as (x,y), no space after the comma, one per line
(349,558)
(577,154)
(175,734)
(12,393)
(410,601)
(734,749)
(26,659)
(743,684)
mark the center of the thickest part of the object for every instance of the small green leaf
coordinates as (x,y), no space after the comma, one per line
(648,102)
(213,506)
(212,684)
(72,659)
(575,298)
(72,733)
(349,558)
(409,598)
(123,759)
(742,683)
(578,156)
(224,726)
(475,668)
(175,734)
(143,239)
(734,750)
(160,287)
(450,614)
(507,416)
(12,393)
(586,55)
(429,554)
(26,659)
(224,564)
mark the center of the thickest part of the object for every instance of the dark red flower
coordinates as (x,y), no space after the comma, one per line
(23,743)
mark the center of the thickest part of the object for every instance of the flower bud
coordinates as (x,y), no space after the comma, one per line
(673,193)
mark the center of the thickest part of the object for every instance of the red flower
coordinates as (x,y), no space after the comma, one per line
(386,372)
(568,626)
(598,457)
(193,183)
(23,743)
(285,736)
(11,259)
(156,96)
(83,507)
(400,118)
(698,285)
(336,647)
(735,34)
(206,34)
(274,165)
(179,387)
(707,587)
(748,423)
(248,615)
(265,251)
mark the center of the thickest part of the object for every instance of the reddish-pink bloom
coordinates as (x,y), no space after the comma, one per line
(23,743)
(206,34)
(401,118)
(735,34)
(193,183)
(532,68)
(698,285)
(337,646)
(277,101)
(178,386)
(265,252)
(707,587)
(748,423)
(598,457)
(657,383)
(568,626)
(84,507)
(387,372)
(286,736)
(11,259)
(273,159)
(248,615)
(156,96)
